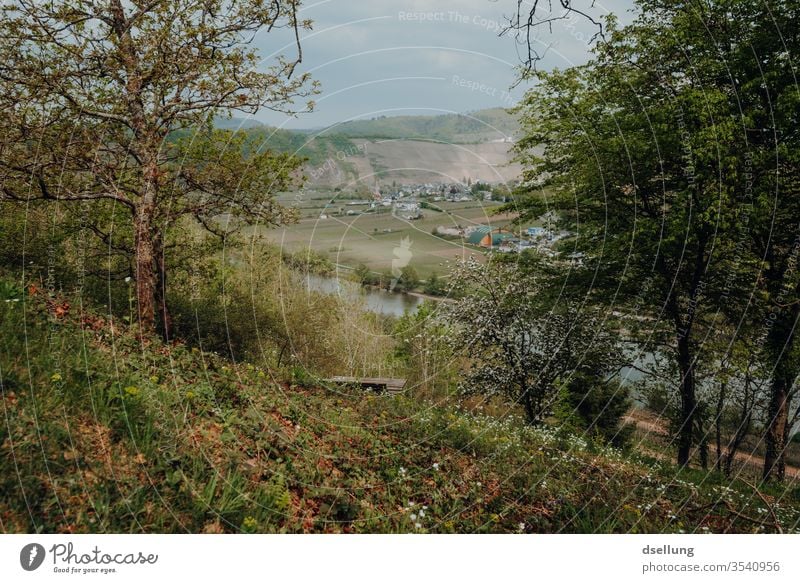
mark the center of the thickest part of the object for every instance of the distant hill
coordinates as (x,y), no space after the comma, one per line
(406,149)
(463,128)
(237,123)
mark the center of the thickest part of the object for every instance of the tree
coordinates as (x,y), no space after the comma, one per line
(517,346)
(597,407)
(109,105)
(631,161)
(676,148)
(422,344)
(408,280)
(363,274)
(434,286)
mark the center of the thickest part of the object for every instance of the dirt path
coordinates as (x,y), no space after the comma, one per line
(653,424)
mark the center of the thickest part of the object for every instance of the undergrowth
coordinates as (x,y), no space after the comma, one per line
(102,432)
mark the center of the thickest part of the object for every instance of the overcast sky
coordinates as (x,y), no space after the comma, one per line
(409,57)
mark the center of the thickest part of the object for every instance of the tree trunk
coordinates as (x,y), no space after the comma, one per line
(145,270)
(164,320)
(736,442)
(778,414)
(743,428)
(718,426)
(781,345)
(688,401)
(527,403)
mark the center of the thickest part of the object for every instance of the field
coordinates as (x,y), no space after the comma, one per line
(372,238)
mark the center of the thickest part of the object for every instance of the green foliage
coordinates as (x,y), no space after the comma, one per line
(408,280)
(595,407)
(365,276)
(308,261)
(434,286)
(316,150)
(649,154)
(422,345)
(262,311)
(93,436)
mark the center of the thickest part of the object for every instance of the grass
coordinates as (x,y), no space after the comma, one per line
(372,238)
(103,433)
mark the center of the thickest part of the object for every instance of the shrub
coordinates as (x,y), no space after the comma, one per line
(596,407)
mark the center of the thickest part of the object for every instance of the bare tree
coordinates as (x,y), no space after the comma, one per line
(532,16)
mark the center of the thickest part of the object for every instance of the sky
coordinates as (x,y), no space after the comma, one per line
(412,57)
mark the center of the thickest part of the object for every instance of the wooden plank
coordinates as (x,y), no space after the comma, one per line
(390,385)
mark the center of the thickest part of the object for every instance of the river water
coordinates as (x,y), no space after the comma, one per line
(397,304)
(375,300)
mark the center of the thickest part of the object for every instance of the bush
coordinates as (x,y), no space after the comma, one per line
(422,346)
(435,286)
(596,407)
(408,280)
(263,312)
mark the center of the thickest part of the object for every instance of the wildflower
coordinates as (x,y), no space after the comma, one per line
(190,395)
(402,472)
(249,523)
(127,279)
(436,466)
(413,517)
(418,525)
(132,391)
(153,379)
(521,527)
(56,378)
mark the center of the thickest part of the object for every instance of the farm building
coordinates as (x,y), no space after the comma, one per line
(488,237)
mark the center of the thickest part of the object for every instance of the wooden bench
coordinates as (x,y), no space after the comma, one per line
(390,386)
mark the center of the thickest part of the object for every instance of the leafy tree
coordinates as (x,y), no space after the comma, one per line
(677,150)
(654,155)
(519,348)
(98,100)
(409,279)
(434,285)
(364,275)
(597,407)
(422,344)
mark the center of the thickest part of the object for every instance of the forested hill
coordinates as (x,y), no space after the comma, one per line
(484,125)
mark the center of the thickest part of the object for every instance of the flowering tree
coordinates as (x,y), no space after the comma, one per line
(519,348)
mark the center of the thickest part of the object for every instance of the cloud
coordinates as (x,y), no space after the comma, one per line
(402,53)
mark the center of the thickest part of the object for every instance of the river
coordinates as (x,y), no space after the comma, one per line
(397,304)
(375,300)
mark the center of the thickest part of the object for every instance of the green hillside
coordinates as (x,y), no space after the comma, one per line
(102,433)
(467,128)
(316,149)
